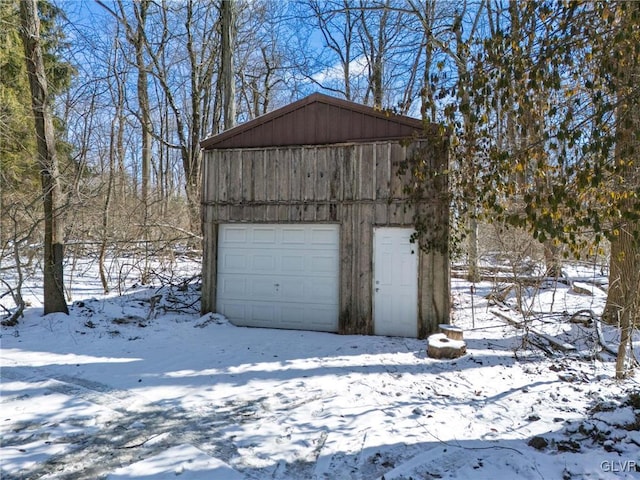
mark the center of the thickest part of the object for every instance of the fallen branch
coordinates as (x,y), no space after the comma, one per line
(12,317)
(597,325)
(521,280)
(554,342)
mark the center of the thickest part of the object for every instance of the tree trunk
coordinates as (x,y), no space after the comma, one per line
(552,261)
(473,274)
(627,286)
(143,101)
(623,299)
(54,300)
(193,205)
(227,19)
(615,294)
(145,120)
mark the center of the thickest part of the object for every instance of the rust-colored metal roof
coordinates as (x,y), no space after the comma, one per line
(317,120)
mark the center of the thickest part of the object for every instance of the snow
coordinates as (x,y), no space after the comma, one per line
(125,387)
(184,460)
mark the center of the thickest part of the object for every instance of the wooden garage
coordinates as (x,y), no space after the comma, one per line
(307,224)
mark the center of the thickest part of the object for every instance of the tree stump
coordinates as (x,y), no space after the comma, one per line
(439,346)
(452,332)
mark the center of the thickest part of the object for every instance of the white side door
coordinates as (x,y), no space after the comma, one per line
(395,282)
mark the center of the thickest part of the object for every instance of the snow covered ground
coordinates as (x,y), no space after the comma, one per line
(127,387)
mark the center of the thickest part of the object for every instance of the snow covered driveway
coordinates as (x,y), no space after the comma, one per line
(95,396)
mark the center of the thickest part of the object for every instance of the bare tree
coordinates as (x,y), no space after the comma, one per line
(382,27)
(138,39)
(173,31)
(54,300)
(263,66)
(337,22)
(227,73)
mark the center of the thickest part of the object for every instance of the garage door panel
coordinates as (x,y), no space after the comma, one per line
(235,261)
(323,236)
(285,276)
(234,309)
(281,315)
(318,318)
(323,264)
(293,316)
(264,235)
(263,313)
(262,289)
(233,287)
(263,263)
(293,236)
(292,263)
(320,290)
(235,235)
(292,288)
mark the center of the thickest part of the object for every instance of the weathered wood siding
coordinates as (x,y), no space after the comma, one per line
(355,185)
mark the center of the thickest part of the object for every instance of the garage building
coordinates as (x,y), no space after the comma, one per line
(307,225)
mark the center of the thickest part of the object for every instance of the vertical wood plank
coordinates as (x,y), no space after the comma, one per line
(310,177)
(284,213)
(259,175)
(383,170)
(334,161)
(207,179)
(366,214)
(425,292)
(284,160)
(322,212)
(271,214)
(255,213)
(236,213)
(408,214)
(381,213)
(434,292)
(271,174)
(396,213)
(294,213)
(308,212)
(347,307)
(209,268)
(366,171)
(215,161)
(248,174)
(323,178)
(235,176)
(223,213)
(295,174)
(223,176)
(349,160)
(397,182)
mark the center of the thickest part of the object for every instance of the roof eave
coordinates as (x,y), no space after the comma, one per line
(414,123)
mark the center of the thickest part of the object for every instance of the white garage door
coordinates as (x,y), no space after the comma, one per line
(279,276)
